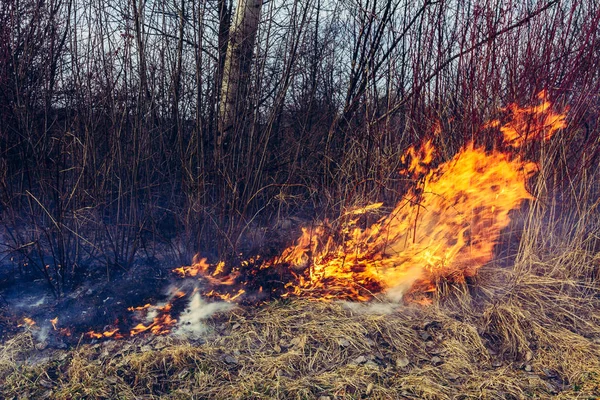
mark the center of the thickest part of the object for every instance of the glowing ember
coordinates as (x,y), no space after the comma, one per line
(446,227)
(26,322)
(54,322)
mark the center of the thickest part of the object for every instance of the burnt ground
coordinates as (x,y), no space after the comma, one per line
(96,303)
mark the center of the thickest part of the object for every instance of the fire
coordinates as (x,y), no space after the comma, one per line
(26,322)
(114,333)
(162,321)
(161,325)
(531,123)
(418,160)
(445,227)
(54,322)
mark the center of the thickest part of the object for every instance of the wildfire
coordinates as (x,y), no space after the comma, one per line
(107,334)
(161,321)
(445,227)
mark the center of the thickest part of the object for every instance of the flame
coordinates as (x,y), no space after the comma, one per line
(199,266)
(418,160)
(107,334)
(161,325)
(54,322)
(445,227)
(26,322)
(531,123)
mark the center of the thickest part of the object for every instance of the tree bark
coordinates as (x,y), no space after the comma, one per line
(236,71)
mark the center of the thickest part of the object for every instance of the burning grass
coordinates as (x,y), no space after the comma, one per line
(515,333)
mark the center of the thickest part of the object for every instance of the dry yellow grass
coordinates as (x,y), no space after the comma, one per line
(529,343)
(531,330)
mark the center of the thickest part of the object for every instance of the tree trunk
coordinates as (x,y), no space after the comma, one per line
(237,68)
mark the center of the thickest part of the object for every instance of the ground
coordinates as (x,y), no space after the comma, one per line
(511,334)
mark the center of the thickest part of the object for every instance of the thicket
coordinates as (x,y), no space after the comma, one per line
(109,114)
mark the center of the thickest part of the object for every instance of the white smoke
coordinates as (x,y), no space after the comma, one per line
(191,323)
(396,293)
(392,298)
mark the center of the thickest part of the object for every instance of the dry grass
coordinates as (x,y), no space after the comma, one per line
(536,341)
(528,331)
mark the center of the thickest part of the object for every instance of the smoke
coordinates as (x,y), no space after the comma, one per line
(396,293)
(191,323)
(392,298)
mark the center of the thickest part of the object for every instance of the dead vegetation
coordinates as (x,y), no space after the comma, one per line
(538,339)
(527,330)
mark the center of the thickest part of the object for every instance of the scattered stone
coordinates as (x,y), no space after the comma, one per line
(369,342)
(496,363)
(528,368)
(528,356)
(45,383)
(277,348)
(41,345)
(235,326)
(230,360)
(426,336)
(359,360)
(343,342)
(369,389)
(451,377)
(402,362)
(324,398)
(436,360)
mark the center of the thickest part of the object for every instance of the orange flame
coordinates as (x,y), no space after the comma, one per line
(26,322)
(538,122)
(107,334)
